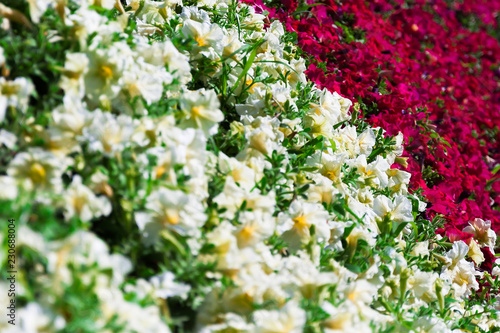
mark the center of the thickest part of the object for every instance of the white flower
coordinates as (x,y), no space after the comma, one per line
(332,109)
(37,8)
(34,318)
(85,22)
(173,210)
(289,319)
(104,78)
(482,232)
(463,277)
(195,14)
(228,322)
(262,136)
(329,165)
(75,67)
(232,44)
(202,110)
(38,169)
(458,252)
(361,293)
(253,20)
(421,249)
(2,57)
(145,80)
(345,318)
(9,188)
(423,285)
(208,37)
(255,227)
(242,175)
(68,121)
(133,316)
(109,134)
(366,141)
(80,201)
(296,223)
(84,248)
(398,180)
(233,196)
(302,273)
(31,239)
(14,94)
(398,211)
(7,139)
(164,286)
(431,325)
(374,173)
(165,54)
(475,252)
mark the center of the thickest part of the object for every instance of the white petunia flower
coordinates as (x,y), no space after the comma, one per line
(482,233)
(165,54)
(109,134)
(37,8)
(242,175)
(431,325)
(38,169)
(422,284)
(208,37)
(104,78)
(145,80)
(14,94)
(255,227)
(202,110)
(458,252)
(171,210)
(263,136)
(35,318)
(329,165)
(68,122)
(399,210)
(7,139)
(75,68)
(294,225)
(233,196)
(80,201)
(9,188)
(165,287)
(289,319)
(366,141)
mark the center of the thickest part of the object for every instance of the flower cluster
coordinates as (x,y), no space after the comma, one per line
(416,68)
(172,167)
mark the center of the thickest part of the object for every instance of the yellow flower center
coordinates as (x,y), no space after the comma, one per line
(9,89)
(237,174)
(301,222)
(78,203)
(37,173)
(160,171)
(172,216)
(251,85)
(134,91)
(200,40)
(332,175)
(246,233)
(195,111)
(105,71)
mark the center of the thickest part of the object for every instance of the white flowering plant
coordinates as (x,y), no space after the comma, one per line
(170,168)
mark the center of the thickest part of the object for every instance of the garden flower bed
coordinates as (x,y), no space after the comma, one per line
(216,166)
